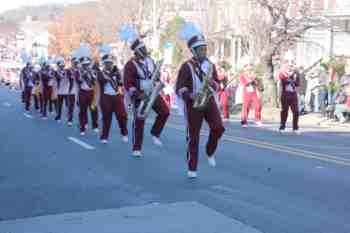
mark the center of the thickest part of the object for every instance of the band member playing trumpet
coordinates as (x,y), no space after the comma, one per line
(112,99)
(87,81)
(27,78)
(140,73)
(196,84)
(65,84)
(47,85)
(250,85)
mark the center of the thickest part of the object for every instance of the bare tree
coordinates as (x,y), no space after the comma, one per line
(270,29)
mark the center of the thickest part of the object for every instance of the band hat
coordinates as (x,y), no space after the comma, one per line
(108,58)
(192,35)
(85,60)
(59,60)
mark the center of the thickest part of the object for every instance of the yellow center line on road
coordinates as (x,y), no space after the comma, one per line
(275,147)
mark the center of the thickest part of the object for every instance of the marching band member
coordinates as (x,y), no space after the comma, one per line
(289,82)
(47,85)
(138,72)
(112,98)
(74,74)
(250,84)
(27,77)
(87,81)
(65,84)
(198,78)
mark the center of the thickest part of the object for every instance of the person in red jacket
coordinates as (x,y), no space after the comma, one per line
(289,83)
(249,82)
(223,97)
(137,82)
(112,99)
(189,82)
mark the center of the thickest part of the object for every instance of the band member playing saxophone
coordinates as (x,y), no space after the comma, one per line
(142,82)
(195,86)
(112,98)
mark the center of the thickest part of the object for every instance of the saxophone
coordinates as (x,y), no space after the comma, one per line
(157,85)
(201,99)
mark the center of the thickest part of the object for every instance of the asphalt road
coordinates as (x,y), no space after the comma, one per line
(274,183)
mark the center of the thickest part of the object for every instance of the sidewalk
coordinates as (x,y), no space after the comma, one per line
(153,218)
(311,119)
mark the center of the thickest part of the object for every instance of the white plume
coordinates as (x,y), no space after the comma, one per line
(189,30)
(104,49)
(25,57)
(84,51)
(42,60)
(128,34)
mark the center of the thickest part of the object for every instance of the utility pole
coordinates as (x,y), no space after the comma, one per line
(154,26)
(331,46)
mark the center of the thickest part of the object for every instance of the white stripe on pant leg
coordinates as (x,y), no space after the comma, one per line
(188,138)
(133,126)
(81,143)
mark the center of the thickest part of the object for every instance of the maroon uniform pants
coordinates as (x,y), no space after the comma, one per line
(194,120)
(85,101)
(69,101)
(27,97)
(47,94)
(289,101)
(22,97)
(162,110)
(248,99)
(113,104)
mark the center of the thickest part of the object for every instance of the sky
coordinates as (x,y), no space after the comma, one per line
(12,4)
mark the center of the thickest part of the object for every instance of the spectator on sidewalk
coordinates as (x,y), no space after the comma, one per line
(311,92)
(251,88)
(343,99)
(342,106)
(321,92)
(302,90)
(223,98)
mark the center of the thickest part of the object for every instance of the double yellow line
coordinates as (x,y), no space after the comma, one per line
(276,147)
